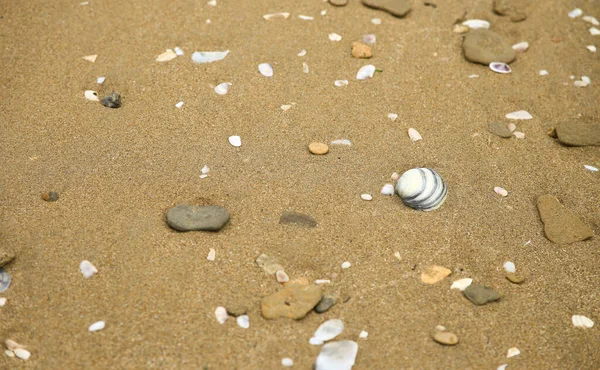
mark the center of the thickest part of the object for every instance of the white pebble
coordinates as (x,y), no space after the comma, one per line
(322,281)
(3,301)
(376,21)
(543,72)
(392,116)
(302,53)
(518,134)
(501,191)
(476,23)
(281,276)
(582,321)
(363,334)
(335,37)
(221,314)
(222,88)
(212,254)
(91,95)
(212,3)
(346,265)
(306,17)
(512,352)
(243,321)
(521,46)
(461,284)
(87,269)
(98,325)
(340,83)
(509,267)
(287,362)
(473,76)
(502,367)
(414,135)
(339,355)
(591,19)
(586,79)
(341,142)
(22,353)
(594,31)
(9,353)
(100,80)
(235,141)
(591,168)
(520,114)
(179,105)
(178,51)
(305,68)
(387,189)
(365,72)
(265,69)
(205,169)
(575,13)
(366,196)
(591,48)
(323,12)
(329,330)
(166,56)
(580,83)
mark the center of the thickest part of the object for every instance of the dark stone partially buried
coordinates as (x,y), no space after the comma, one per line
(197,218)
(112,101)
(578,133)
(295,218)
(480,295)
(397,8)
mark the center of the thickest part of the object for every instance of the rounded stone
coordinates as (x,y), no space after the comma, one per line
(202,218)
(480,295)
(515,278)
(338,2)
(446,338)
(361,50)
(484,46)
(318,148)
(326,302)
(397,8)
(50,196)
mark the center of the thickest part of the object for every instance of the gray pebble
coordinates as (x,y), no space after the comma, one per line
(326,302)
(236,310)
(112,101)
(297,219)
(50,196)
(480,295)
(192,218)
(500,129)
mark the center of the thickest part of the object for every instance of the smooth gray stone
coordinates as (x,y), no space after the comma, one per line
(192,218)
(480,295)
(297,219)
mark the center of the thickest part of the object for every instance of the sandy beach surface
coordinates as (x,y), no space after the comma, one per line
(118,171)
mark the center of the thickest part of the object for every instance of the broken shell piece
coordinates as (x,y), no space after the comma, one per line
(476,23)
(591,168)
(12,345)
(422,189)
(91,95)
(512,352)
(306,17)
(329,330)
(212,3)
(369,39)
(305,68)
(579,83)
(285,107)
(179,105)
(387,189)
(284,15)
(346,265)
(221,314)
(521,46)
(392,116)
(243,321)
(340,83)
(591,48)
(434,274)
(395,176)
(178,51)
(235,141)
(208,56)
(509,267)
(87,269)
(500,67)
(212,253)
(222,88)
(98,325)
(520,114)
(9,353)
(501,191)
(366,197)
(281,276)
(335,37)
(22,353)
(518,134)
(582,321)
(287,362)
(365,72)
(337,355)
(302,53)
(543,72)
(594,31)
(341,142)
(166,56)
(90,58)
(461,284)
(3,301)
(586,79)
(100,80)
(575,13)
(414,135)
(265,69)
(511,127)
(591,19)
(460,28)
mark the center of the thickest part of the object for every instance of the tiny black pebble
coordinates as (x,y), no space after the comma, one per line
(51,196)
(112,101)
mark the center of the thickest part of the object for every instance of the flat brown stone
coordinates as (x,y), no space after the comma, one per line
(484,46)
(513,9)
(578,133)
(515,278)
(446,338)
(397,8)
(561,226)
(361,50)
(294,301)
(318,148)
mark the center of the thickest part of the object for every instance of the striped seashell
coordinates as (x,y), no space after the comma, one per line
(422,189)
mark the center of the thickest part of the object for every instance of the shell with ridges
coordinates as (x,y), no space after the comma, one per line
(422,189)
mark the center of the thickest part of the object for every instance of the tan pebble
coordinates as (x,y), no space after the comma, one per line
(361,50)
(445,337)
(434,274)
(318,148)
(9,353)
(459,28)
(515,278)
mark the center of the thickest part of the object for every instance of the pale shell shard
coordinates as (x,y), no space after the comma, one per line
(166,56)
(285,107)
(543,72)
(575,13)
(519,134)
(222,88)
(22,353)
(422,189)
(87,269)
(12,345)
(363,335)
(365,72)
(205,169)
(500,67)
(235,140)
(305,68)
(178,51)
(9,353)
(90,58)
(3,301)
(265,69)
(100,80)
(287,362)
(392,116)
(387,189)
(341,142)
(340,83)
(591,48)
(243,321)
(221,315)
(580,83)
(591,19)
(586,79)
(284,15)
(366,197)
(512,352)
(476,23)
(179,105)
(335,37)
(414,135)
(594,31)
(281,276)
(208,56)
(461,284)
(91,95)
(582,321)
(302,53)
(212,254)
(98,325)
(501,191)
(346,265)
(339,355)
(521,46)
(376,21)
(369,39)
(591,168)
(306,17)
(329,330)
(520,114)
(509,267)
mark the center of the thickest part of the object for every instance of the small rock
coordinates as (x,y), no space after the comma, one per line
(445,337)
(6,257)
(99,325)
(578,133)
(338,2)
(221,314)
(515,278)
(480,295)
(50,196)
(484,46)
(192,218)
(268,264)
(361,50)
(561,226)
(337,355)
(318,148)
(397,8)
(112,101)
(327,301)
(434,274)
(298,219)
(236,310)
(511,8)
(281,276)
(294,301)
(499,129)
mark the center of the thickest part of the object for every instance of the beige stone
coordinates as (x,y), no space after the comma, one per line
(445,337)
(318,148)
(294,301)
(561,226)
(435,274)
(361,50)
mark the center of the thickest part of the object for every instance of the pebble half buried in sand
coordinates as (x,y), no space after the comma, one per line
(397,8)
(197,218)
(294,301)
(318,148)
(561,226)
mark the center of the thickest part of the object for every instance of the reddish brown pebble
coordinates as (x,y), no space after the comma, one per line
(51,196)
(360,50)
(514,278)
(446,338)
(318,148)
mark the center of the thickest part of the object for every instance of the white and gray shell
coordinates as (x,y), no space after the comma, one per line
(422,189)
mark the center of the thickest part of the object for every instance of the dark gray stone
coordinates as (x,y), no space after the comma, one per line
(192,218)
(500,129)
(397,8)
(480,295)
(326,302)
(297,219)
(112,101)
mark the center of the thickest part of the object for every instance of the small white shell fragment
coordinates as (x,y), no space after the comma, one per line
(221,315)
(329,330)
(287,362)
(265,69)
(281,276)
(212,3)
(335,37)
(369,39)
(346,265)
(166,56)
(222,88)
(340,83)
(285,107)
(100,80)
(509,267)
(591,168)
(91,95)
(22,353)
(521,46)
(395,176)
(543,72)
(243,321)
(520,114)
(586,79)
(3,301)
(473,76)
(284,15)
(12,345)
(315,341)
(398,256)
(582,321)
(392,116)
(511,127)
(414,135)
(212,254)
(322,281)
(337,355)
(376,21)
(341,142)
(306,17)
(476,23)
(591,19)
(90,58)
(461,284)
(179,105)
(572,77)
(366,197)
(305,68)
(591,48)
(9,353)
(323,12)
(178,51)
(594,31)
(387,189)
(208,56)
(518,134)
(302,53)
(575,13)
(580,83)
(365,72)
(235,140)
(500,67)
(502,367)
(501,191)
(363,334)
(98,325)
(87,269)
(203,176)
(512,352)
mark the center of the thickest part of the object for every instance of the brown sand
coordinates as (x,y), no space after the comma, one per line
(119,170)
